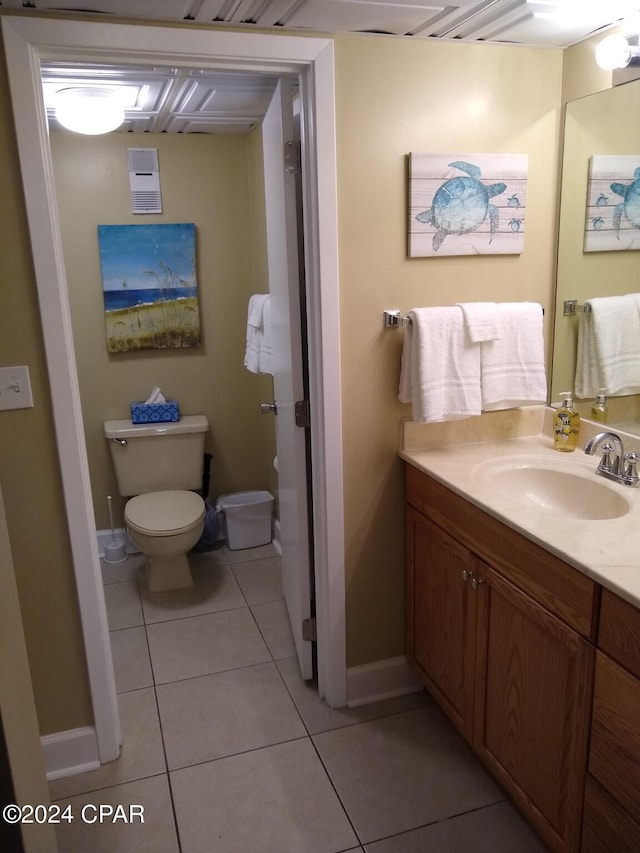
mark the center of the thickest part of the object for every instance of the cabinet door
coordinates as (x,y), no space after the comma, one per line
(533,686)
(615,733)
(441,617)
(607,828)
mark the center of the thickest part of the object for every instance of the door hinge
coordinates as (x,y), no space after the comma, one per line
(303,414)
(292,157)
(309,630)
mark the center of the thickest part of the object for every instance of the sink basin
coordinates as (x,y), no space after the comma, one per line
(540,485)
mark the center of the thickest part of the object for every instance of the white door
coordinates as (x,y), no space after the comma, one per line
(282,253)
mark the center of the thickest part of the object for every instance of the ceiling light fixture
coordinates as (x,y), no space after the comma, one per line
(89,109)
(616,52)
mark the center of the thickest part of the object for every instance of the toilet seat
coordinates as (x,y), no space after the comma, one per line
(164,513)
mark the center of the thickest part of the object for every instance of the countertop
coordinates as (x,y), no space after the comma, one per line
(607,550)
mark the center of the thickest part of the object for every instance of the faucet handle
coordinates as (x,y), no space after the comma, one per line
(605,463)
(630,469)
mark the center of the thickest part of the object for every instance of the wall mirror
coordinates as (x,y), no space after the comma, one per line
(606,122)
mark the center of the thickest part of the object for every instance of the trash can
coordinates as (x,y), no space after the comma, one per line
(247,517)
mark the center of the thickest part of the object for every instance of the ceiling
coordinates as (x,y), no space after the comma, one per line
(175,101)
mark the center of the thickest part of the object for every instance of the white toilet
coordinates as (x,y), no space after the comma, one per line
(157,466)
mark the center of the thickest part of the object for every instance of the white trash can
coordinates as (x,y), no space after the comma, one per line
(247,517)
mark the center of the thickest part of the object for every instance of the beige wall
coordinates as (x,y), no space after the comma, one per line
(204,180)
(393,96)
(30,475)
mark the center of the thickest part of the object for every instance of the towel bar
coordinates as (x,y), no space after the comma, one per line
(392,318)
(571,308)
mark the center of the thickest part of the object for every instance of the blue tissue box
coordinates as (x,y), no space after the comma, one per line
(154,413)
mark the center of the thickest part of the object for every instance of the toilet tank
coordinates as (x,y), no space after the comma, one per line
(155,457)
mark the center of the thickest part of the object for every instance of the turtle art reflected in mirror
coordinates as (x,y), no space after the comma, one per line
(612,222)
(470,204)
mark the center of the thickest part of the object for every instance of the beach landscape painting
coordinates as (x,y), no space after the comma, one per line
(149,286)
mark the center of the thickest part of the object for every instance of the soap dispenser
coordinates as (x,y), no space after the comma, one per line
(599,410)
(566,425)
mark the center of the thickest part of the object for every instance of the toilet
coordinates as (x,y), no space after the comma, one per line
(157,467)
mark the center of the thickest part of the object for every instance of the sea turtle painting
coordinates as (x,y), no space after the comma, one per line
(630,206)
(461,204)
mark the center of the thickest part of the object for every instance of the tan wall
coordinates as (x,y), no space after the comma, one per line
(204,180)
(30,475)
(394,97)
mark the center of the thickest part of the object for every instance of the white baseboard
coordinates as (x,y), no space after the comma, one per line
(382,679)
(69,753)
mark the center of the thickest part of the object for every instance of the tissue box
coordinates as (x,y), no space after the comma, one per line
(154,413)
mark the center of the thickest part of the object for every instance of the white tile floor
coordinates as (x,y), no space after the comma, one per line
(229,750)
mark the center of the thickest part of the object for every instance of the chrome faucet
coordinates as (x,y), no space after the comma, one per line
(621,467)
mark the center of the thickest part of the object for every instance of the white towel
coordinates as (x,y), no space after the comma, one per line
(608,354)
(481,320)
(440,372)
(588,377)
(258,351)
(512,367)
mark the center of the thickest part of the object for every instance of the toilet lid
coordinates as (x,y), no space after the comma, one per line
(164,513)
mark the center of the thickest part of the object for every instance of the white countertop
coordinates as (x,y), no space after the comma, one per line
(607,550)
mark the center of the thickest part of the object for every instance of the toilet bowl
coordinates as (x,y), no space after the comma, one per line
(158,467)
(164,526)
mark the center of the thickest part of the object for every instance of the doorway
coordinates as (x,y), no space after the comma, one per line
(31,41)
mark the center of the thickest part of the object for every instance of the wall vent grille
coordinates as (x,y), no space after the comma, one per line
(144,180)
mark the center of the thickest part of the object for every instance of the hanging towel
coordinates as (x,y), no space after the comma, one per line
(588,376)
(481,320)
(440,371)
(512,367)
(608,354)
(258,352)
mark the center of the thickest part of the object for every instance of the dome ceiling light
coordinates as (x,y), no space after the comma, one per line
(89,109)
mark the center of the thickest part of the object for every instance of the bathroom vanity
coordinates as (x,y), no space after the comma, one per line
(526,630)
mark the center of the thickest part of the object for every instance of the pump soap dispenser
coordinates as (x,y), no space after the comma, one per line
(566,425)
(599,410)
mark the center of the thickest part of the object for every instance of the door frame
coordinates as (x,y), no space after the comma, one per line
(30,41)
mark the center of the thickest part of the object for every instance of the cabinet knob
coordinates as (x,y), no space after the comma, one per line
(465,575)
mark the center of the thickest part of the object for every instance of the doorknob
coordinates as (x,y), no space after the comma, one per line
(269,408)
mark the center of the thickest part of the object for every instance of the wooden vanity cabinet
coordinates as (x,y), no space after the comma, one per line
(441,620)
(612,799)
(499,631)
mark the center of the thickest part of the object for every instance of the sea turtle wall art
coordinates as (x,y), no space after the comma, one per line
(467,204)
(612,221)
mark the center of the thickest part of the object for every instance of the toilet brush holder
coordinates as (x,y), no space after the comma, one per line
(115,551)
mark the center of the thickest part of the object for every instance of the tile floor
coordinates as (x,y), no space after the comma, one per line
(229,750)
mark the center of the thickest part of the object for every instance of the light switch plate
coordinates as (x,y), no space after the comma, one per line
(15,388)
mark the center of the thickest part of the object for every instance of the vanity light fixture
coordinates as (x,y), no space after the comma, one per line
(89,109)
(616,52)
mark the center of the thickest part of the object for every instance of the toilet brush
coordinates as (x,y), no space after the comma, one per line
(116,550)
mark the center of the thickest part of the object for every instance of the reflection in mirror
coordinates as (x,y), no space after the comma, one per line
(604,123)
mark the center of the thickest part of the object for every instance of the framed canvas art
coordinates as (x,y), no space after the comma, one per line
(467,204)
(149,286)
(612,222)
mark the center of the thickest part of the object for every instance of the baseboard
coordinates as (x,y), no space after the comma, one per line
(382,679)
(69,753)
